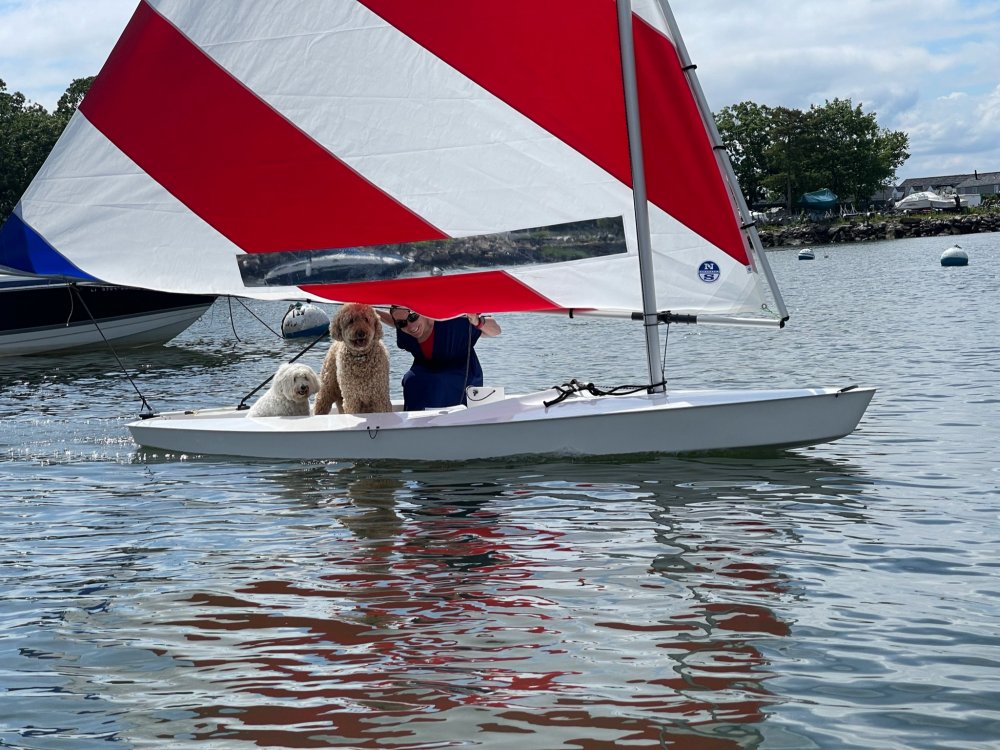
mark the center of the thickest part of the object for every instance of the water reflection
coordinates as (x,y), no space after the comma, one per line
(101,365)
(775,601)
(555,605)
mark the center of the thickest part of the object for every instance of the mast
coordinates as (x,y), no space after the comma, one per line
(645,251)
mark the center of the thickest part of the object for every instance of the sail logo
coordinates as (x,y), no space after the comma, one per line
(709,271)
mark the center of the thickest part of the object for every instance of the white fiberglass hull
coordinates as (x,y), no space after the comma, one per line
(133,331)
(678,422)
(40,316)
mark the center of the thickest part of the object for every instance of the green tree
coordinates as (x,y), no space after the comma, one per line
(27,134)
(786,152)
(746,130)
(69,102)
(852,155)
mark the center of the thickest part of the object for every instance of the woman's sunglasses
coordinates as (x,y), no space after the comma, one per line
(402,323)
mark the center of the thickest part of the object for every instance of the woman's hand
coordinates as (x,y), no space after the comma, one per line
(485,323)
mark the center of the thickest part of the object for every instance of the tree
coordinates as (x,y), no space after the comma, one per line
(27,134)
(853,156)
(788,152)
(746,131)
(69,102)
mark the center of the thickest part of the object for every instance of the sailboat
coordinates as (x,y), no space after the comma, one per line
(221,134)
(41,315)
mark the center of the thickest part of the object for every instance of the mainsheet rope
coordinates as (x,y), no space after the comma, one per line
(576,386)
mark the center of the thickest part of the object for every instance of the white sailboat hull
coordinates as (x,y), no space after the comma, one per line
(133,331)
(41,316)
(675,423)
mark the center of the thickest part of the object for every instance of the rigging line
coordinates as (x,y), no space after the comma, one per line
(145,404)
(232,320)
(258,318)
(72,306)
(243,402)
(468,364)
(663,362)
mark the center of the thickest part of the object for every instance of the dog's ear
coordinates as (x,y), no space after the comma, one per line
(313,381)
(284,381)
(335,331)
(376,324)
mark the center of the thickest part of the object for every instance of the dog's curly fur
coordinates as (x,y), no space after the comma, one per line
(289,393)
(355,373)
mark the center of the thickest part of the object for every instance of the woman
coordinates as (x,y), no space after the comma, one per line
(444,360)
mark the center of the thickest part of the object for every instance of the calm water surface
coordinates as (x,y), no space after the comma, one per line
(845,596)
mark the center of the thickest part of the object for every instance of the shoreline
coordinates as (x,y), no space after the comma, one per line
(861,229)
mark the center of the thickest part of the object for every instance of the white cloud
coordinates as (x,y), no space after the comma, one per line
(926,68)
(46,44)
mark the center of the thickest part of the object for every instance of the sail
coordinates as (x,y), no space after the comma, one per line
(342,133)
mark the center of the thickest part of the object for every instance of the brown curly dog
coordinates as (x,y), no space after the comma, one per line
(355,373)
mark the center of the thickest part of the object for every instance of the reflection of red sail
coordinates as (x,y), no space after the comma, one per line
(438,610)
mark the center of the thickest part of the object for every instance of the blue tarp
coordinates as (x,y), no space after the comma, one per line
(819,200)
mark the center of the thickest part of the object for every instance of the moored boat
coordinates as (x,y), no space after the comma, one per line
(46,316)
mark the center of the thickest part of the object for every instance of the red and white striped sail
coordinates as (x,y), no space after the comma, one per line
(223,128)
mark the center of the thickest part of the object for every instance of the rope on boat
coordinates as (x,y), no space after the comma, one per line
(146,410)
(232,319)
(243,403)
(255,315)
(575,386)
(663,361)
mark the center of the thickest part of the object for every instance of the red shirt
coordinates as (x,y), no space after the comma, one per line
(427,345)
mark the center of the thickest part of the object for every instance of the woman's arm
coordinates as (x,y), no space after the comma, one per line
(485,323)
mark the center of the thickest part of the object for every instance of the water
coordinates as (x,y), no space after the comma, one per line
(844,596)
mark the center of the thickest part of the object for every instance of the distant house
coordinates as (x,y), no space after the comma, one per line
(979,184)
(885,198)
(942,185)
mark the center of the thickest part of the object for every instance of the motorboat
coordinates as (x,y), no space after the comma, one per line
(46,316)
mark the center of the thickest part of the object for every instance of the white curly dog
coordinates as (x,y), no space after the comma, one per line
(289,393)
(355,373)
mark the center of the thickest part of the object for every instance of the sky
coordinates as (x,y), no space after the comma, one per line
(930,68)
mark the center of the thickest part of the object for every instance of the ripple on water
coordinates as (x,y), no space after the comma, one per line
(841,596)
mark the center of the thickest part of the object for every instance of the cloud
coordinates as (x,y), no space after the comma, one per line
(926,68)
(46,44)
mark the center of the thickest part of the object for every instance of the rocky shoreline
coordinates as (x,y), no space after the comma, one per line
(861,229)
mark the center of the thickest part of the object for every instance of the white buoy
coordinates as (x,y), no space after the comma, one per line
(806,254)
(304,319)
(954,256)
